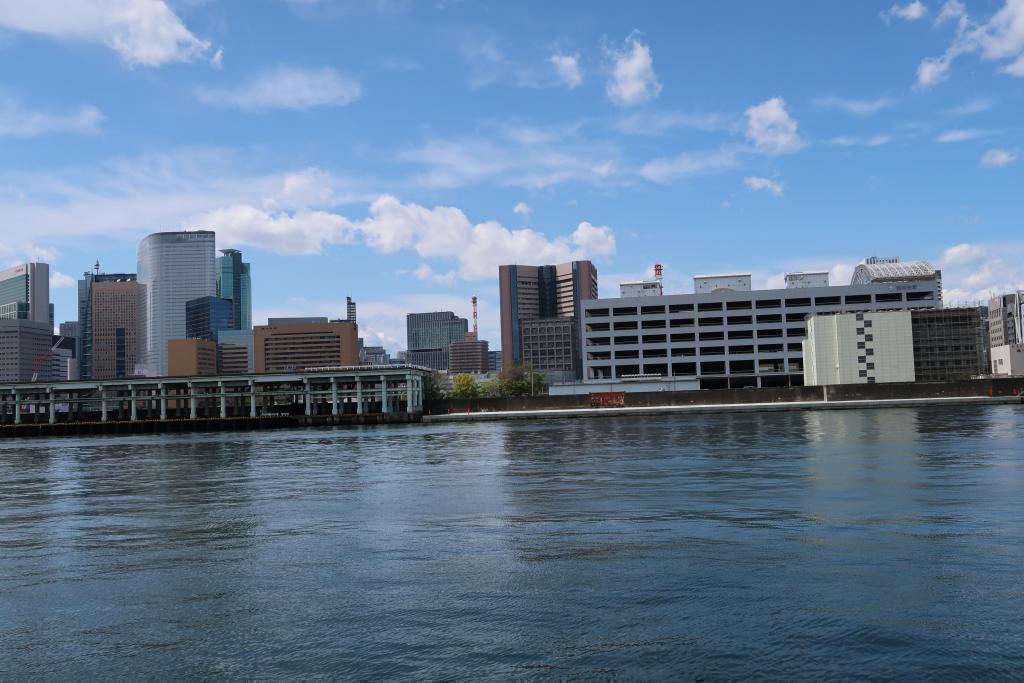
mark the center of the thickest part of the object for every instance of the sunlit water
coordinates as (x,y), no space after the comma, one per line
(851,544)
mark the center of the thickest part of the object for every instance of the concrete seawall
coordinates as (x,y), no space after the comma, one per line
(562,413)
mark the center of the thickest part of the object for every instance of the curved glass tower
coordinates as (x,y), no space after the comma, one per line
(173,268)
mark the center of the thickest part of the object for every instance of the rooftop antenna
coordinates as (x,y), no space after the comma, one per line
(474,319)
(97,267)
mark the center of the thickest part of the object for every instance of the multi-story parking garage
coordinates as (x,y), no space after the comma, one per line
(729,337)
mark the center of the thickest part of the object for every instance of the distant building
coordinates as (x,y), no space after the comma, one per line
(206,316)
(529,293)
(817,278)
(374,355)
(859,348)
(428,336)
(25,293)
(494,361)
(468,356)
(900,274)
(112,328)
(1008,360)
(311,320)
(70,329)
(1006,319)
(236,352)
(63,364)
(191,357)
(949,344)
(173,267)
(24,351)
(641,288)
(350,310)
(549,346)
(234,282)
(119,303)
(288,347)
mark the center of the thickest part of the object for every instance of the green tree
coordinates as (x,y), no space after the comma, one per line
(491,388)
(464,386)
(521,380)
(432,387)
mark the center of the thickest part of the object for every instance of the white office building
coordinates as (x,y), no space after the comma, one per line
(1008,360)
(173,268)
(859,348)
(726,334)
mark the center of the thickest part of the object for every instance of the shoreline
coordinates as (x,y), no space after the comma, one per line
(560,413)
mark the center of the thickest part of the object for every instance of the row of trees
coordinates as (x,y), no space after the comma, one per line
(516,380)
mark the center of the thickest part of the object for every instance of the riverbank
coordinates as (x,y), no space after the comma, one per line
(562,413)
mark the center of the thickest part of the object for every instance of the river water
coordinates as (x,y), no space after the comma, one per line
(853,544)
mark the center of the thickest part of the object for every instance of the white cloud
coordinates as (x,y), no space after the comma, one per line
(999,39)
(974,272)
(960,254)
(17,121)
(962,135)
(665,170)
(568,69)
(758,183)
(522,209)
(912,11)
(658,123)
(858,107)
(632,80)
(952,10)
(860,141)
(59,280)
(596,240)
(301,232)
(286,88)
(771,128)
(142,32)
(425,272)
(997,158)
(977,106)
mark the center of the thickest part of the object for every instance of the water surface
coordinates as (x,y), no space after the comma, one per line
(859,544)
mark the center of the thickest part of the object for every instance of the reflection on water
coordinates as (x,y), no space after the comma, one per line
(875,543)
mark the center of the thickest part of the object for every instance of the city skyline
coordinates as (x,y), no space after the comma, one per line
(680,135)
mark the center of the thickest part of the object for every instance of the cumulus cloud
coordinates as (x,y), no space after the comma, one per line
(960,254)
(997,39)
(142,32)
(286,88)
(19,122)
(962,135)
(997,158)
(912,11)
(974,272)
(568,69)
(758,183)
(858,107)
(522,209)
(632,80)
(771,129)
(59,280)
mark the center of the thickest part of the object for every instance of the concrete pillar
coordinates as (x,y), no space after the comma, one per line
(384,395)
(17,407)
(162,389)
(103,405)
(131,396)
(334,396)
(223,400)
(191,401)
(306,391)
(252,398)
(359,395)
(53,404)
(408,394)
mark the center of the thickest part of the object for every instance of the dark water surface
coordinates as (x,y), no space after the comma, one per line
(837,544)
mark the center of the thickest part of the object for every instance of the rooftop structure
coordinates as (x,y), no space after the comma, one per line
(818,278)
(730,282)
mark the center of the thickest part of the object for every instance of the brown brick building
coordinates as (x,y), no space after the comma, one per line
(286,346)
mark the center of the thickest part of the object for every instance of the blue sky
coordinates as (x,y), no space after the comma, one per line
(398,151)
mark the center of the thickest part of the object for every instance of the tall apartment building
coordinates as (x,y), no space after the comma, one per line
(1006,319)
(728,337)
(206,316)
(127,287)
(536,292)
(173,268)
(25,293)
(111,342)
(429,335)
(286,346)
(234,281)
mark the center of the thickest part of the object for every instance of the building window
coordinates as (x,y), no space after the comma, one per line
(869,337)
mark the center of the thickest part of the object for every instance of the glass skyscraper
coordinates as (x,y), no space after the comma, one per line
(234,282)
(173,268)
(206,316)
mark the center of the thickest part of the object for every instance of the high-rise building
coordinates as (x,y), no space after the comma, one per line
(191,357)
(494,361)
(350,310)
(120,300)
(234,281)
(1006,319)
(374,355)
(429,335)
(25,350)
(70,329)
(536,292)
(206,316)
(235,352)
(113,344)
(469,355)
(284,346)
(174,267)
(550,346)
(25,293)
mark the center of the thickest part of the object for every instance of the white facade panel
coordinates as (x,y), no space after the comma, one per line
(859,348)
(1008,360)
